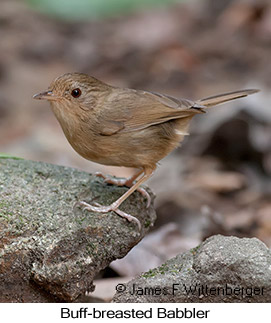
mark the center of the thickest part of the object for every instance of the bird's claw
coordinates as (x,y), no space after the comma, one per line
(105,209)
(144,193)
(96,204)
(99,174)
(109,180)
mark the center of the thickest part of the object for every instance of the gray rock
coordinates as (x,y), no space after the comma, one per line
(221,269)
(49,249)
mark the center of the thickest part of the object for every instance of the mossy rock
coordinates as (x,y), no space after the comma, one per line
(50,250)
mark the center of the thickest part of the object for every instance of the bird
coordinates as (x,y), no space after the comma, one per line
(123,127)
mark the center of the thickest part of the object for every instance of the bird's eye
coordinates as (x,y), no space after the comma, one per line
(76,93)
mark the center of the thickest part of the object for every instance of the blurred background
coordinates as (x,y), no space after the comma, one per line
(219,181)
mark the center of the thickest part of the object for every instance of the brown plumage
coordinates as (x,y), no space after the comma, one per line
(123,127)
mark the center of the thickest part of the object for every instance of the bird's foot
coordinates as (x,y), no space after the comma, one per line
(144,193)
(114,181)
(104,209)
(125,182)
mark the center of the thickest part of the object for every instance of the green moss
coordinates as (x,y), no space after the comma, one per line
(163,270)
(4,216)
(150,273)
(147,223)
(4,204)
(195,250)
(4,213)
(6,156)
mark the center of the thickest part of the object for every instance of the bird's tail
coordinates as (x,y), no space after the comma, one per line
(221,98)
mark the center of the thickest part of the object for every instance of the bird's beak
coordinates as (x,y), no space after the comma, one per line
(47,95)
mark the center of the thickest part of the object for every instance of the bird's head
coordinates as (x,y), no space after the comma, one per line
(73,90)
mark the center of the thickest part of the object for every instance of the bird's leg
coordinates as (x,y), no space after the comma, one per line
(115,205)
(127,182)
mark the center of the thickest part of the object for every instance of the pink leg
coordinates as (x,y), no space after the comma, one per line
(127,182)
(115,205)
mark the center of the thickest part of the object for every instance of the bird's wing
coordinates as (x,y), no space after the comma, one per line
(130,110)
